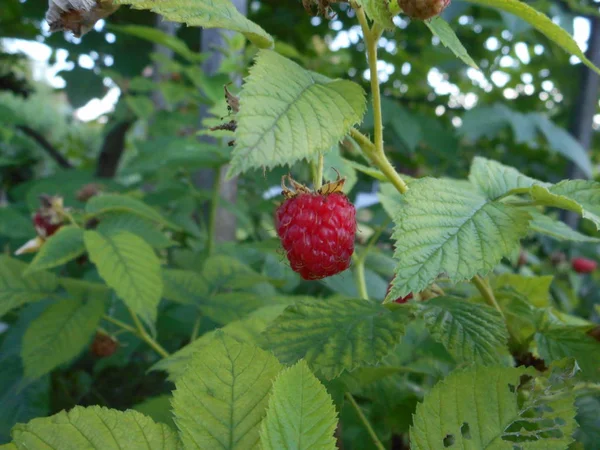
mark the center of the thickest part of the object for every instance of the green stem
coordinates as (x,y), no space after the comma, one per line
(318,181)
(196,328)
(212,218)
(361,283)
(365,421)
(120,324)
(141,332)
(487,293)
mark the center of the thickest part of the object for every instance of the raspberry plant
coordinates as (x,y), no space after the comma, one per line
(502,368)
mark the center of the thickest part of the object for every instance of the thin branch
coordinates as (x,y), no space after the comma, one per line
(43,142)
(112,149)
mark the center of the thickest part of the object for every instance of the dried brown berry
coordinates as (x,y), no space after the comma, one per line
(104,345)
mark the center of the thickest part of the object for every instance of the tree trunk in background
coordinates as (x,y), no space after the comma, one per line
(169,28)
(585,108)
(226,221)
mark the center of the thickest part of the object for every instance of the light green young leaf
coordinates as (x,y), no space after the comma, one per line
(300,415)
(472,333)
(580,196)
(221,399)
(495,179)
(130,267)
(443,227)
(562,342)
(109,203)
(480,409)
(59,334)
(288,114)
(335,334)
(535,289)
(542,23)
(112,223)
(379,12)
(184,286)
(557,229)
(62,247)
(17,289)
(206,14)
(95,428)
(440,28)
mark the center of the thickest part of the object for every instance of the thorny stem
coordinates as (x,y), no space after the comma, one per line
(365,421)
(212,218)
(375,151)
(487,292)
(318,173)
(141,332)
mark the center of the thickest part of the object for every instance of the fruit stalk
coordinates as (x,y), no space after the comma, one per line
(487,293)
(365,421)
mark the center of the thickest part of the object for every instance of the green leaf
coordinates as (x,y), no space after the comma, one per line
(225,271)
(443,227)
(184,286)
(480,409)
(16,289)
(206,14)
(535,289)
(62,247)
(15,225)
(157,36)
(562,342)
(141,106)
(557,229)
(379,12)
(589,421)
(580,196)
(440,28)
(229,306)
(221,399)
(335,334)
(113,223)
(495,179)
(130,267)
(247,330)
(158,409)
(95,428)
(541,23)
(472,333)
(521,316)
(107,203)
(59,334)
(300,415)
(288,114)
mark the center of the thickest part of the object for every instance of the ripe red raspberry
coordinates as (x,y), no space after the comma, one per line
(103,345)
(423,9)
(583,265)
(44,226)
(317,232)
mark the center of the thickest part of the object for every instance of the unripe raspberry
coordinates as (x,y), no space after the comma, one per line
(317,232)
(583,265)
(44,225)
(423,9)
(103,345)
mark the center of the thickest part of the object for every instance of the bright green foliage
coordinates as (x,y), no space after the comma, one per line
(288,114)
(300,415)
(247,330)
(556,229)
(116,222)
(440,28)
(472,333)
(17,289)
(495,179)
(59,334)
(557,343)
(522,317)
(62,247)
(480,409)
(580,196)
(95,428)
(184,286)
(220,271)
(206,14)
(542,23)
(130,267)
(111,203)
(221,399)
(443,227)
(335,334)
(535,289)
(379,11)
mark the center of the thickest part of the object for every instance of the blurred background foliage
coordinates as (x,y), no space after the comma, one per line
(127,104)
